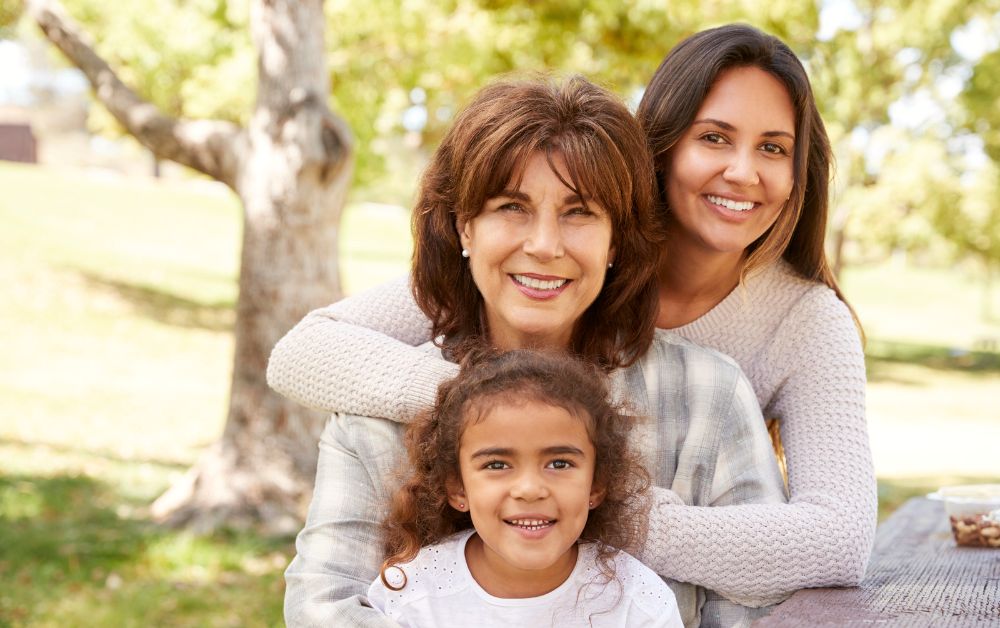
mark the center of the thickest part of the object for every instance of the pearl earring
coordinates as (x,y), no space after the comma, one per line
(610,264)
(461,506)
(465,253)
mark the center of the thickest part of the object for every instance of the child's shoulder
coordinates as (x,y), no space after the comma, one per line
(437,569)
(639,580)
(642,594)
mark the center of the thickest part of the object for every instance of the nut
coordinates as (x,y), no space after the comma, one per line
(990,532)
(976,531)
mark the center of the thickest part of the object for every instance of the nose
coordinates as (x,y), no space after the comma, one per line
(544,240)
(529,486)
(742,169)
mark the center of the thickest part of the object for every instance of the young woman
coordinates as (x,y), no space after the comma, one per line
(521,492)
(535,229)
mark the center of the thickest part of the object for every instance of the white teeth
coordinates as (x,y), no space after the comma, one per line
(539,284)
(736,206)
(531,524)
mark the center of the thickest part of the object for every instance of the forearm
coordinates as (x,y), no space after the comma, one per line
(338,550)
(356,356)
(754,554)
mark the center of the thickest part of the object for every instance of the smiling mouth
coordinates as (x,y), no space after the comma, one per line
(540,284)
(530,524)
(736,206)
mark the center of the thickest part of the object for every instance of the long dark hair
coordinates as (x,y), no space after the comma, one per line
(671,102)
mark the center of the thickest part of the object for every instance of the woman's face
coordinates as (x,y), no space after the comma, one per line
(538,257)
(732,171)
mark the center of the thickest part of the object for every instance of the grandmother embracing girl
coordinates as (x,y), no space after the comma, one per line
(550,218)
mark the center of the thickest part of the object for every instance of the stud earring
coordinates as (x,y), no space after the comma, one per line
(591,504)
(461,506)
(465,253)
(610,264)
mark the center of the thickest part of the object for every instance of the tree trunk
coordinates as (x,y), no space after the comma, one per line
(293,184)
(291,168)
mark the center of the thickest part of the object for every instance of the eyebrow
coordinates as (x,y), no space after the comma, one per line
(729,127)
(518,195)
(487,452)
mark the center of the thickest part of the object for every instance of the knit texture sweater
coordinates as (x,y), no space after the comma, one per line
(794,339)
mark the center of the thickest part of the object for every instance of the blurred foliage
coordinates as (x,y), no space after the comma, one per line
(10,13)
(400,69)
(191,58)
(976,228)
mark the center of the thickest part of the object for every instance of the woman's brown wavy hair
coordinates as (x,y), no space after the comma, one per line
(420,514)
(672,100)
(485,150)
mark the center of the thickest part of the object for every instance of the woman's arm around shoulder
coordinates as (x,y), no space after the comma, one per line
(758,553)
(820,405)
(358,356)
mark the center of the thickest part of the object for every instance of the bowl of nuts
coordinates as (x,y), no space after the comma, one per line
(974,512)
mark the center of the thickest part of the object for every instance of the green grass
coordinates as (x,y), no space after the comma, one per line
(74,553)
(114,322)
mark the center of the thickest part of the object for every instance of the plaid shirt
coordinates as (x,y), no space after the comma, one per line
(706,445)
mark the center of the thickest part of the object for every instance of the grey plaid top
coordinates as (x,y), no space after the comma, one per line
(705,444)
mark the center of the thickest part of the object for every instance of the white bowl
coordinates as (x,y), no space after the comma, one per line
(974,513)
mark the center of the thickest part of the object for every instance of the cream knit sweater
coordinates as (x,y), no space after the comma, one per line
(794,339)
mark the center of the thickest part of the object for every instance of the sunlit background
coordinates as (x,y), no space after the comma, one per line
(119,272)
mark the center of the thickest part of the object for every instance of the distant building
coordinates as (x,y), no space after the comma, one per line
(17,143)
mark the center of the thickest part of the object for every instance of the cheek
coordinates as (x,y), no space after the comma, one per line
(683,176)
(782,179)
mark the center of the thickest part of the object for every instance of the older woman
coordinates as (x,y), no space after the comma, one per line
(534,228)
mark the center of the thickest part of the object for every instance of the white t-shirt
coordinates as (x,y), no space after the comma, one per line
(440,591)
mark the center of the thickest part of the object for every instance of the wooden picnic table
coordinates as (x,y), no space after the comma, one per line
(917,577)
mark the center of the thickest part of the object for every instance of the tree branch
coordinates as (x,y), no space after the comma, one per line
(208,146)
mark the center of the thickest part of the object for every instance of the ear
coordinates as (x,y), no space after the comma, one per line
(464,230)
(597,494)
(611,254)
(456,495)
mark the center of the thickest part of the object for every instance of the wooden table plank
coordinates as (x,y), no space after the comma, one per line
(917,577)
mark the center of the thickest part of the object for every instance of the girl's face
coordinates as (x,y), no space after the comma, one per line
(538,257)
(732,171)
(527,472)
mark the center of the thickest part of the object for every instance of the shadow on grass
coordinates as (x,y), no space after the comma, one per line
(167,307)
(60,531)
(882,355)
(72,553)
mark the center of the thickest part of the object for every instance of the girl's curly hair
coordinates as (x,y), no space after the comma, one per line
(420,514)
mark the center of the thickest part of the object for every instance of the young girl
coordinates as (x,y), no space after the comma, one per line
(521,492)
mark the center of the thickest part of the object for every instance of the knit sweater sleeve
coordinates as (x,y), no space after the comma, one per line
(754,554)
(359,356)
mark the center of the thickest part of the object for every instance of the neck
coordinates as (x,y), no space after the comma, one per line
(501,579)
(510,340)
(693,281)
